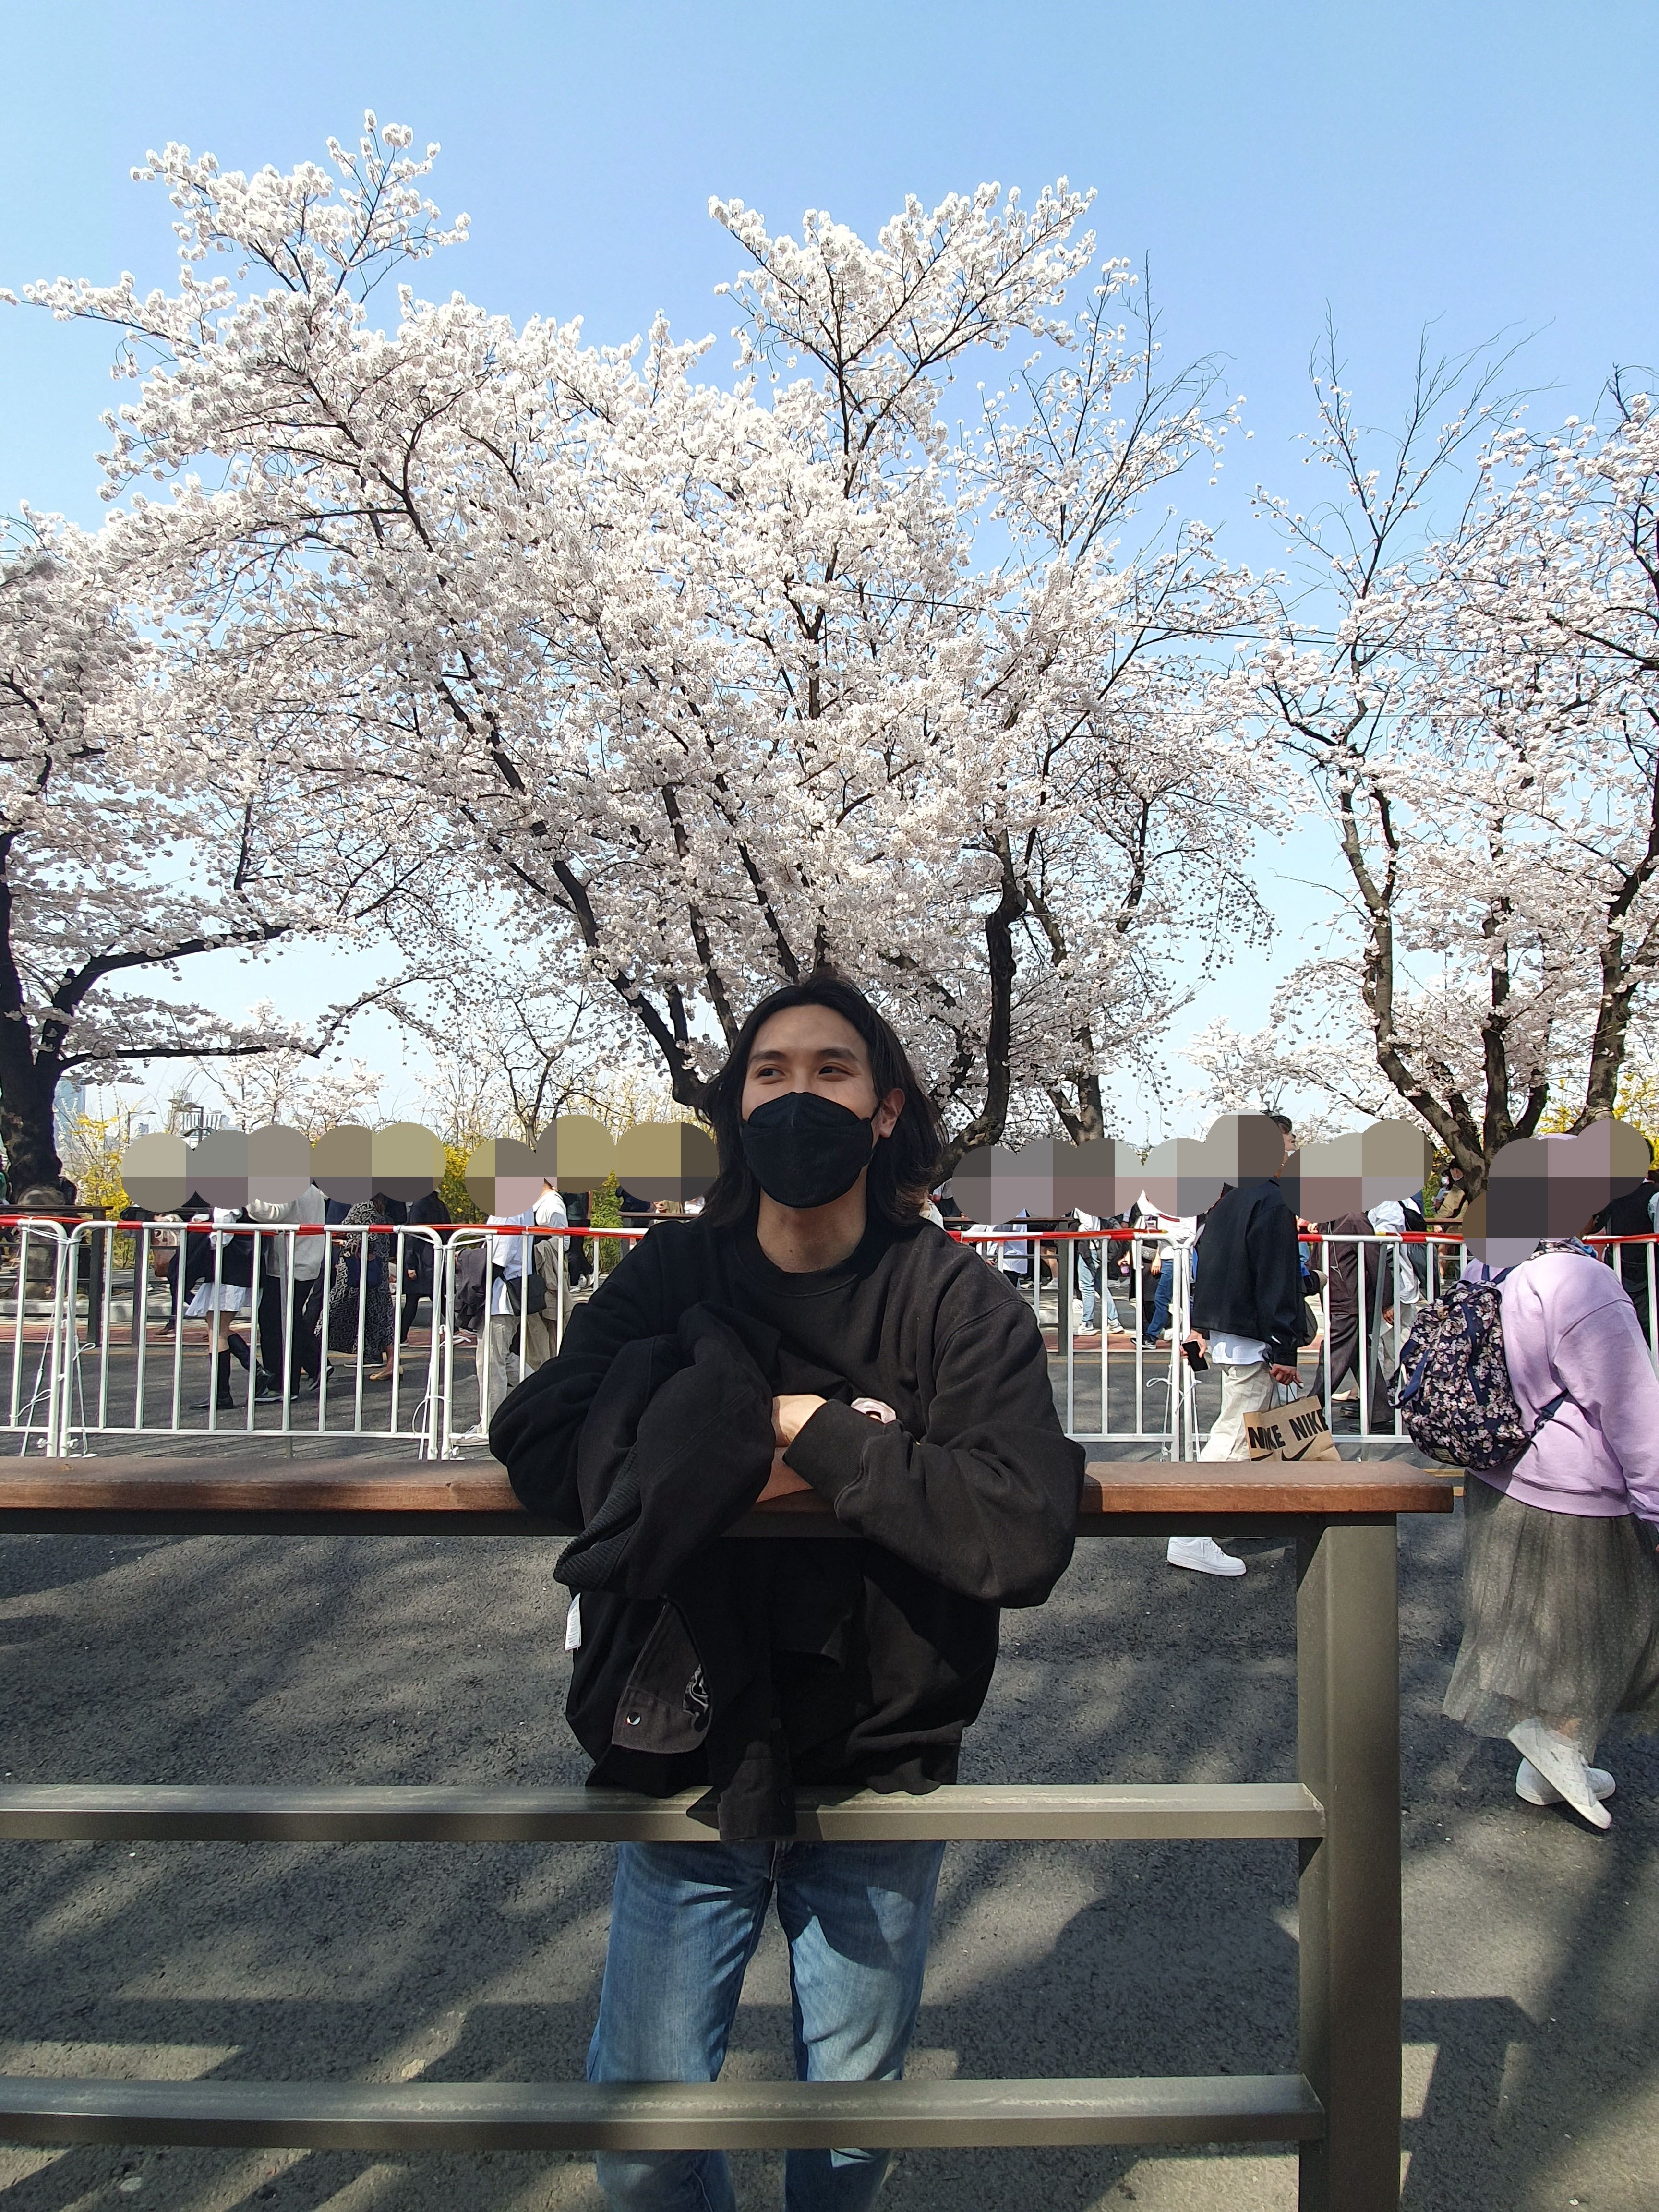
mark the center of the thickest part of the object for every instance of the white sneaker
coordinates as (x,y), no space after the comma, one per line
(478,1434)
(1204,1555)
(1560,1763)
(1530,1785)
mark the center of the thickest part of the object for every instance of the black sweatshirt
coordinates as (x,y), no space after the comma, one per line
(1249,1281)
(965,1504)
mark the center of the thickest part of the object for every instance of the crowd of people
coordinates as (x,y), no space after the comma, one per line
(1561,1519)
(356,1299)
(1253,1270)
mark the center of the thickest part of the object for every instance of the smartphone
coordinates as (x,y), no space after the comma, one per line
(1193,1358)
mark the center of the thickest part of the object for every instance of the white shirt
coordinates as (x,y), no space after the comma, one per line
(1236,1351)
(1014,1258)
(309,1210)
(1154,1222)
(508,1252)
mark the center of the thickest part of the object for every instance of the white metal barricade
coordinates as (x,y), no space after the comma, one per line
(1387,1279)
(1369,1291)
(486,1310)
(1113,1385)
(102,1343)
(140,1347)
(37,1257)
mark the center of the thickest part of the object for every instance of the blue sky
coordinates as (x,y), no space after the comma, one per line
(1485,168)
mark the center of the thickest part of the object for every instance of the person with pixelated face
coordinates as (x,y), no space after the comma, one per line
(1249,1320)
(1561,1546)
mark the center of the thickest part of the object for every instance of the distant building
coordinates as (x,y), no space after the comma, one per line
(68,1106)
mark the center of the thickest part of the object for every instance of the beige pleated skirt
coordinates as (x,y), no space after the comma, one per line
(1560,1619)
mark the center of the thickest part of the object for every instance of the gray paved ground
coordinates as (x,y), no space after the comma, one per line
(1531,2019)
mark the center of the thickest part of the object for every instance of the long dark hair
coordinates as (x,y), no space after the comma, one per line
(905,1166)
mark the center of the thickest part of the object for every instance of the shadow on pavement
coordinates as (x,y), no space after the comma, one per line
(401,1659)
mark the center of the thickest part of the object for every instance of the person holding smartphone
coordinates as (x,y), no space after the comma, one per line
(1247,1319)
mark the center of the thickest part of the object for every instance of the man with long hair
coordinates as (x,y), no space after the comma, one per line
(811,1332)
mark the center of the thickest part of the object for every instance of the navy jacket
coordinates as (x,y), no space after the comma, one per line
(1249,1272)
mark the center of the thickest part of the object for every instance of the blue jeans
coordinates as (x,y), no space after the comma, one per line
(1161,1301)
(685,1922)
(1088,1279)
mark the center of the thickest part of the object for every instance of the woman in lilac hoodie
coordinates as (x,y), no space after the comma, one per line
(1561,1573)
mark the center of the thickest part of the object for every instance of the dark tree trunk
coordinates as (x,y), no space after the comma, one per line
(29,1090)
(28,1073)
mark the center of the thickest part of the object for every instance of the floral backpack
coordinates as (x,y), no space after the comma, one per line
(1452,1389)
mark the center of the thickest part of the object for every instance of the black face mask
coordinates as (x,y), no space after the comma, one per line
(806,1150)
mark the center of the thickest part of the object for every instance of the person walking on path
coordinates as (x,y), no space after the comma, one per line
(302,1256)
(1560,1564)
(359,1298)
(420,1266)
(1633,1214)
(1167,1228)
(811,1333)
(1248,1319)
(1359,1342)
(1093,1290)
(310,1283)
(512,1340)
(547,1260)
(223,1302)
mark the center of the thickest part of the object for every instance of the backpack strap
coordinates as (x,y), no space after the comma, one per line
(1550,1411)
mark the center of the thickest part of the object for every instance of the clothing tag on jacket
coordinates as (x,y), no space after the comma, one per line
(573,1624)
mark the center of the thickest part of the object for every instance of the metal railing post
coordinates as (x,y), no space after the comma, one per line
(1183,1411)
(140,1282)
(97,1268)
(66,1348)
(1348,1754)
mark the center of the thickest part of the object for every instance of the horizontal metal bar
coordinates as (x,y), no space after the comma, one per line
(128,1521)
(474,2116)
(976,1812)
(119,1522)
(262,1495)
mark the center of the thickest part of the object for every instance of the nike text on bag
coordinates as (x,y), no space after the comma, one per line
(1297,1429)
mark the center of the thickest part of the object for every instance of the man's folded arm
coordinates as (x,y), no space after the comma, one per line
(986,1502)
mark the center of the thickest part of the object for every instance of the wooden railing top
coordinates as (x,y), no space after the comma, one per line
(1115,1490)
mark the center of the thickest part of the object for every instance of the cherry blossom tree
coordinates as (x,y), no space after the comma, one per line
(1301,1061)
(1454,982)
(1547,611)
(291,1082)
(511,1047)
(132,836)
(1473,708)
(716,684)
